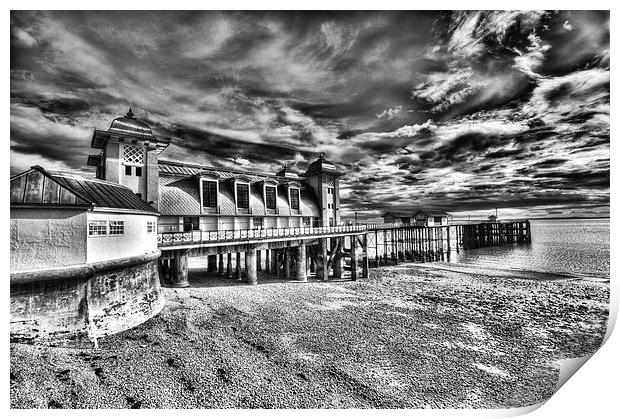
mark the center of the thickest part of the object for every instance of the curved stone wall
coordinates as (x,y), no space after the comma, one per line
(84,302)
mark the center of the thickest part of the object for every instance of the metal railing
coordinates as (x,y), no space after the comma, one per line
(219,236)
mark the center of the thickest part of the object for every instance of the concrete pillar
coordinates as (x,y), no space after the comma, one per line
(353,258)
(229,265)
(275,266)
(325,265)
(238,265)
(337,264)
(365,257)
(287,263)
(250,266)
(179,269)
(220,270)
(276,261)
(212,263)
(301,263)
(267,261)
(258,261)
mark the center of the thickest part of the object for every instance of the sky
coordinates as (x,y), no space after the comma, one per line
(459,111)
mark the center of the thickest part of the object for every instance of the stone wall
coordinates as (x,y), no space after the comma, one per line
(84,302)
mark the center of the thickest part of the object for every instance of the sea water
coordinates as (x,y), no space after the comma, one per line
(575,247)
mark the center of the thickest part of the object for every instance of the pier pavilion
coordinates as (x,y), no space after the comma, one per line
(243,221)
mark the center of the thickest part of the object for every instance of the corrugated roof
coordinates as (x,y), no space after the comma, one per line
(190,169)
(102,194)
(182,197)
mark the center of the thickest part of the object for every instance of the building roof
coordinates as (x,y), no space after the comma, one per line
(180,169)
(41,187)
(130,127)
(321,165)
(180,195)
(425,212)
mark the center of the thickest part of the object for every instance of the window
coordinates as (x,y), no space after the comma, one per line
(191,223)
(138,171)
(243,195)
(331,222)
(437,220)
(117,228)
(150,227)
(209,193)
(270,197)
(305,221)
(97,228)
(128,170)
(294,198)
(258,222)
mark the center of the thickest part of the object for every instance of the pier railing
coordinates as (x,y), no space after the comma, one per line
(221,236)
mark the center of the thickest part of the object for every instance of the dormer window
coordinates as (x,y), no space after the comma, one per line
(294,198)
(243,195)
(209,193)
(270,197)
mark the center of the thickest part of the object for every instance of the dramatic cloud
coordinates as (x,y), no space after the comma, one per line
(464,111)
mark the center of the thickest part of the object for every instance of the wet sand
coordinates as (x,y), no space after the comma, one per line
(410,336)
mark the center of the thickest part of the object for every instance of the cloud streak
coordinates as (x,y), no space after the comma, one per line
(463,111)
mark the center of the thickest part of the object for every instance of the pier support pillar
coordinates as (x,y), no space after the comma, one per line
(250,266)
(267,261)
(365,256)
(287,263)
(179,269)
(337,263)
(353,258)
(212,263)
(259,261)
(220,270)
(238,265)
(229,265)
(301,263)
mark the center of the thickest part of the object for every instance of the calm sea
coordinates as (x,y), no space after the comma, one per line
(578,247)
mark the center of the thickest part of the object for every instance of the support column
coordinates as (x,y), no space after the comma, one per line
(365,257)
(275,267)
(337,264)
(276,260)
(212,263)
(259,260)
(250,266)
(353,258)
(267,261)
(287,263)
(238,266)
(301,263)
(229,265)
(221,265)
(179,270)
(325,265)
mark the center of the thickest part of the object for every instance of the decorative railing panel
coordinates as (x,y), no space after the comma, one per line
(222,236)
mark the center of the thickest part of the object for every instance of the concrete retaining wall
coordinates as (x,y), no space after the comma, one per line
(84,302)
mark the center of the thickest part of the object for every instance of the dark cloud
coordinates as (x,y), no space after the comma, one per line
(461,111)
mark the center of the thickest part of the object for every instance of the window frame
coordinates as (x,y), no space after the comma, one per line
(290,198)
(203,196)
(103,223)
(275,196)
(117,223)
(237,200)
(151,227)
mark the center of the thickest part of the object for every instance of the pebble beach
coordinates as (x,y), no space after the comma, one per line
(409,336)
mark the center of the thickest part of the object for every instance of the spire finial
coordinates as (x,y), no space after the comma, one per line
(130,113)
(321,155)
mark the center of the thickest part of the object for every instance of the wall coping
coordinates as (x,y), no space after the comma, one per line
(80,272)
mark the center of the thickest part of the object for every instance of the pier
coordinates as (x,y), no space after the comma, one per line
(295,252)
